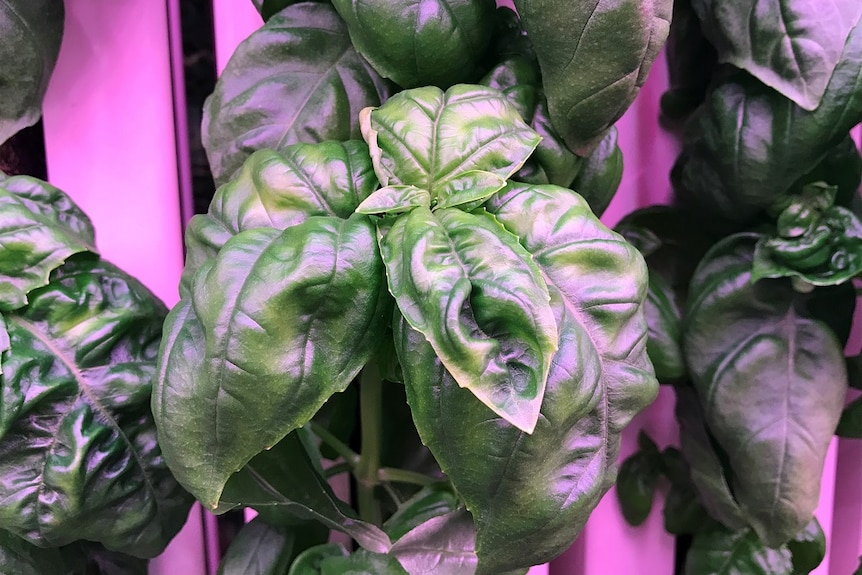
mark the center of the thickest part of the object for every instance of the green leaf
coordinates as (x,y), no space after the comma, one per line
(261,549)
(850,424)
(772,382)
(40,228)
(594,56)
(361,563)
(77,435)
(30,35)
(443,545)
(722,552)
(296,79)
(531,494)
(22,558)
(519,79)
(790,46)
(636,482)
(431,139)
(279,190)
(748,145)
(309,561)
(395,199)
(664,325)
(282,484)
(808,548)
(858,569)
(338,415)
(683,513)
(436,42)
(841,167)
(601,173)
(691,61)
(270,329)
(269,8)
(432,501)
(471,289)
(101,561)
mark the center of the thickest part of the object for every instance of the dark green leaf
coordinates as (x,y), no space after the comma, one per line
(338,416)
(297,79)
(531,494)
(283,484)
(519,79)
(309,561)
(467,284)
(850,424)
(101,561)
(808,548)
(279,190)
(443,545)
(772,382)
(18,557)
(30,36)
(663,321)
(747,145)
(842,168)
(432,501)
(269,8)
(722,552)
(78,456)
(261,549)
(436,42)
(361,563)
(433,140)
(791,46)
(594,56)
(691,60)
(858,569)
(40,227)
(272,327)
(636,485)
(683,513)
(601,173)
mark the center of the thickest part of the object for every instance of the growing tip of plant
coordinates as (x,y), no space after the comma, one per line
(369,134)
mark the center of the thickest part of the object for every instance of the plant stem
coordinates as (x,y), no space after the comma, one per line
(350,457)
(370,398)
(393,475)
(337,469)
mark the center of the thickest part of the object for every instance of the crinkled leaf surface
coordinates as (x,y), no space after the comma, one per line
(273,326)
(429,138)
(279,190)
(431,42)
(772,382)
(297,79)
(78,455)
(283,484)
(30,35)
(467,284)
(262,549)
(519,79)
(601,174)
(594,55)
(531,493)
(792,46)
(40,227)
(723,552)
(747,145)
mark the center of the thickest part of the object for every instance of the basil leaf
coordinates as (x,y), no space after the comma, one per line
(261,549)
(531,494)
(284,485)
(309,561)
(40,227)
(431,139)
(664,320)
(297,79)
(101,561)
(747,145)
(637,480)
(443,545)
(438,43)
(77,434)
(30,35)
(431,501)
(691,61)
(274,325)
(842,168)
(471,289)
(594,57)
(751,345)
(601,173)
(22,558)
(361,563)
(850,424)
(723,552)
(279,190)
(790,46)
(519,79)
(808,548)
(269,8)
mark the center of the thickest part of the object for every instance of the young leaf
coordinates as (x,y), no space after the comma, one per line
(310,561)
(283,485)
(850,424)
(808,548)
(30,35)
(273,326)
(261,549)
(297,79)
(636,483)
(279,190)
(77,434)
(442,545)
(723,552)
(436,43)
(594,56)
(40,227)
(471,289)
(772,382)
(531,494)
(430,139)
(432,501)
(790,46)
(395,199)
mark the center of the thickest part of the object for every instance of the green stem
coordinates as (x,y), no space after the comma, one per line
(393,475)
(337,469)
(349,456)
(371,421)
